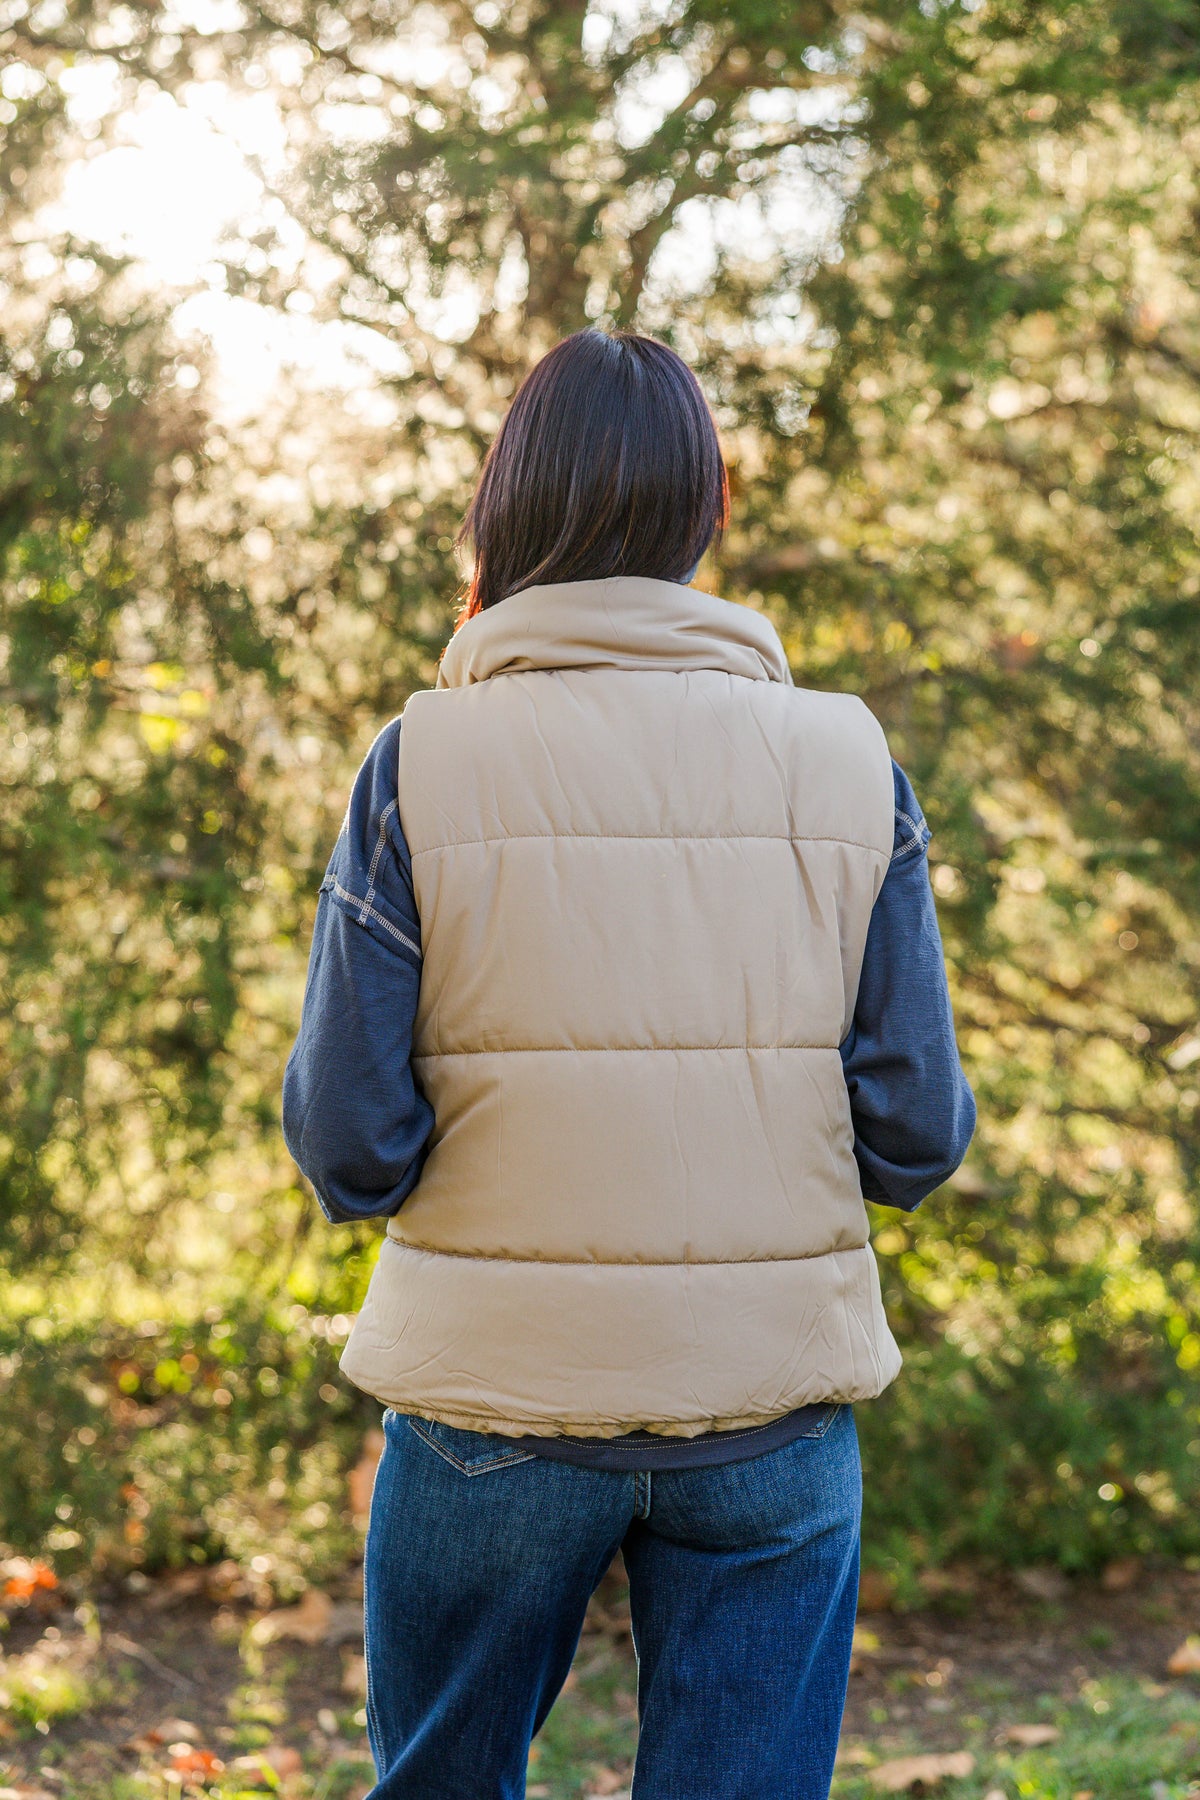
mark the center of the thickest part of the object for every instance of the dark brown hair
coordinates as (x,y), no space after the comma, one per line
(606,463)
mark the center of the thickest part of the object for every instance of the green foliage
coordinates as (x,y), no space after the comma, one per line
(1076,1452)
(173,1445)
(37,1693)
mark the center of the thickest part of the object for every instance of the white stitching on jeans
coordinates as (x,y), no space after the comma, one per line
(481,1465)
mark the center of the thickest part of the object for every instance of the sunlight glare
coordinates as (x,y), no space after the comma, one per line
(166,196)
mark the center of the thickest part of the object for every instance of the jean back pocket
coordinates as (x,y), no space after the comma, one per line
(470,1452)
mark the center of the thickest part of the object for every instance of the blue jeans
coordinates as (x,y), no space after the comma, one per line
(743,1582)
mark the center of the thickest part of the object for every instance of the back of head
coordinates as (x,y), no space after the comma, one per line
(607,463)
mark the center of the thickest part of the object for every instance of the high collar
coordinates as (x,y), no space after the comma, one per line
(623,622)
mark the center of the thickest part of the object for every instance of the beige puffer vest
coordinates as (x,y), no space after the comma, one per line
(644,864)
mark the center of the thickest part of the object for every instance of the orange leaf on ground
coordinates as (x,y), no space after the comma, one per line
(1185,1660)
(25,1577)
(186,1761)
(907,1772)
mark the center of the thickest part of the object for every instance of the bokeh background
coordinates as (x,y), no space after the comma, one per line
(270,273)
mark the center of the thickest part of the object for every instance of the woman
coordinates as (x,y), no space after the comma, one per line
(626,987)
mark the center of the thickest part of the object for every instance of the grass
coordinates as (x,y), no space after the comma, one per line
(1123,1738)
(36,1691)
(592,1728)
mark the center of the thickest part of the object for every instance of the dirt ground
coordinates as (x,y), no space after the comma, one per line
(170,1672)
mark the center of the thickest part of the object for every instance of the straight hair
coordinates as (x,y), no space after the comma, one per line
(606,463)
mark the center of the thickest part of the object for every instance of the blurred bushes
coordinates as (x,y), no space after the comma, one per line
(1027,1459)
(174,1446)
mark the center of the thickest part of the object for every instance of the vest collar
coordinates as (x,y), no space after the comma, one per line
(623,622)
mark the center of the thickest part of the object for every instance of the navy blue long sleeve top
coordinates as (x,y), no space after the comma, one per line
(358,1125)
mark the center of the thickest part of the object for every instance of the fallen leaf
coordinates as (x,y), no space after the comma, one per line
(1042,1582)
(1084,1794)
(354,1676)
(1119,1575)
(904,1773)
(606,1781)
(284,1759)
(186,1761)
(169,1729)
(874,1591)
(361,1479)
(308,1622)
(1185,1660)
(953,1580)
(24,1577)
(1030,1736)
